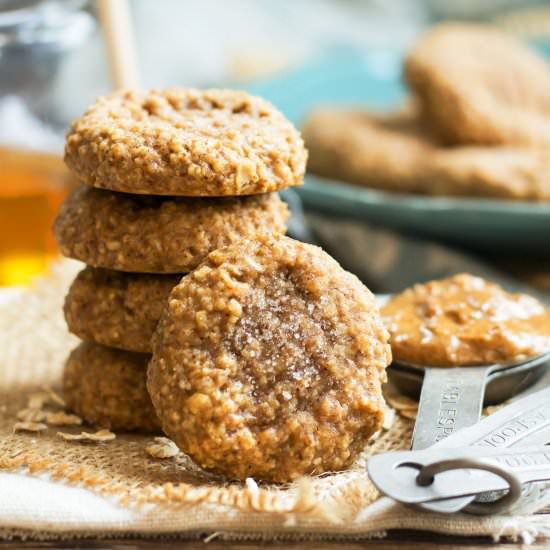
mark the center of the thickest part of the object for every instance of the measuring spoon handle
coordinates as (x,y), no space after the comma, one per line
(451,399)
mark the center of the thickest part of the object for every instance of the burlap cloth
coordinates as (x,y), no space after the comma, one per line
(51,488)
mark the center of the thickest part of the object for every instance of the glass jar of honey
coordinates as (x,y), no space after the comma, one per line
(36,36)
(32,187)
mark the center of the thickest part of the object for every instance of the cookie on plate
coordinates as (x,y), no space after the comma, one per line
(159,234)
(480,86)
(107,387)
(395,152)
(268,362)
(380,151)
(117,309)
(185,142)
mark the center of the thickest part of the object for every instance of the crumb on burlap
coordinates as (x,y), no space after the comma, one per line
(408,413)
(403,405)
(162,448)
(61,418)
(29,427)
(99,436)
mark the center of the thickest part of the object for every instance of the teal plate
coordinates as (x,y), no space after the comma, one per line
(496,225)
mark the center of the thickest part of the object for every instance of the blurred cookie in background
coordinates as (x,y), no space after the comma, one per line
(380,151)
(395,152)
(477,85)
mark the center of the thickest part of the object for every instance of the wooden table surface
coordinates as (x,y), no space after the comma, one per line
(403,540)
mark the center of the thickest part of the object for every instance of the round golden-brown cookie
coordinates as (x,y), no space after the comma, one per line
(159,234)
(117,309)
(480,86)
(465,320)
(362,147)
(107,387)
(185,142)
(268,362)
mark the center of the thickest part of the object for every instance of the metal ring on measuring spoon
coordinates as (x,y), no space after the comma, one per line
(427,473)
(460,391)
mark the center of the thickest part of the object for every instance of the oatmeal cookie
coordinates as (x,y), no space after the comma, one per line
(159,234)
(185,142)
(465,320)
(268,362)
(381,151)
(107,387)
(117,309)
(395,153)
(495,172)
(480,86)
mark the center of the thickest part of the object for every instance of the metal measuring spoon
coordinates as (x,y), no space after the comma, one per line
(503,383)
(451,398)
(524,423)
(412,477)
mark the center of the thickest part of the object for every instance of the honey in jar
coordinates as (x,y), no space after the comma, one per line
(32,187)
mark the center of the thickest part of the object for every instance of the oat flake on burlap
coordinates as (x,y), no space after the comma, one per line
(116,488)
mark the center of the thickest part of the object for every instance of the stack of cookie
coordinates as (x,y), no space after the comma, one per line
(168,176)
(478,123)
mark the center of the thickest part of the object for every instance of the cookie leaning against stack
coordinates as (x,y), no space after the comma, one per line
(268,362)
(169,176)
